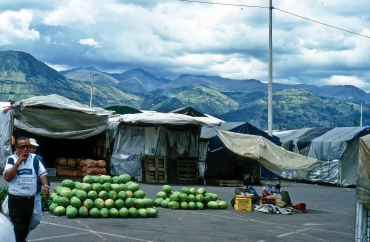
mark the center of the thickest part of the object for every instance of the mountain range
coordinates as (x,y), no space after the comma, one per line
(294,106)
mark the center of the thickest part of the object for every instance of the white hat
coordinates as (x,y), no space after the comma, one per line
(33,142)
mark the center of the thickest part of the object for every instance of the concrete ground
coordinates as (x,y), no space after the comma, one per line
(330,217)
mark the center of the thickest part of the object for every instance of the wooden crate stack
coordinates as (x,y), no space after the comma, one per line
(187,171)
(100,148)
(154,169)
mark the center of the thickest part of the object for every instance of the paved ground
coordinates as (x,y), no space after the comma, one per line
(330,217)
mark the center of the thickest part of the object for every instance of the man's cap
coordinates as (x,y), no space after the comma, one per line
(33,142)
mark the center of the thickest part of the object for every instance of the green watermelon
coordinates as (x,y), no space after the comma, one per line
(222,205)
(113,213)
(88,203)
(59,211)
(207,199)
(148,203)
(132,212)
(200,205)
(107,187)
(139,203)
(199,198)
(183,197)
(122,195)
(78,185)
(123,212)
(104,212)
(112,195)
(82,195)
(86,187)
(173,205)
(161,194)
(97,187)
(125,178)
(129,193)
(133,187)
(201,191)
(109,203)
(99,203)
(106,178)
(94,213)
(74,191)
(129,202)
(215,197)
(122,187)
(116,180)
(193,191)
(66,193)
(158,201)
(103,195)
(191,198)
(142,213)
(92,195)
(185,190)
(72,212)
(167,189)
(75,202)
(115,187)
(175,197)
(52,206)
(63,201)
(83,212)
(151,212)
(68,183)
(52,195)
(184,205)
(99,180)
(164,203)
(119,203)
(212,205)
(88,179)
(192,205)
(139,194)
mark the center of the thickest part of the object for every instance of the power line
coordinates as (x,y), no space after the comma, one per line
(249,6)
(331,26)
(225,4)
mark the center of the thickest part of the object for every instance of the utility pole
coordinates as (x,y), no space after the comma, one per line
(92,86)
(269,98)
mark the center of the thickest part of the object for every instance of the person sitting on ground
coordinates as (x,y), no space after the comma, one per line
(284,195)
(268,198)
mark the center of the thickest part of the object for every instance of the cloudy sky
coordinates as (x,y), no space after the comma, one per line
(167,38)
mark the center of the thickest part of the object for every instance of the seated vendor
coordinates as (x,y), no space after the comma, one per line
(268,198)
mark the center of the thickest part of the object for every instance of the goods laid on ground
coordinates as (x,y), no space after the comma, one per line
(79,167)
(101,197)
(188,198)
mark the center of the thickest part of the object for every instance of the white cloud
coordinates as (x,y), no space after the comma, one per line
(16,26)
(169,38)
(89,42)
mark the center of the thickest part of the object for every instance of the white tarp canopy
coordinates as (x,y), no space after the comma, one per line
(271,156)
(165,118)
(58,117)
(363,173)
(5,134)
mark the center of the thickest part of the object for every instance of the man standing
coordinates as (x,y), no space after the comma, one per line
(37,210)
(22,172)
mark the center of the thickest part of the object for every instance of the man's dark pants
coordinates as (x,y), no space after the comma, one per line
(20,213)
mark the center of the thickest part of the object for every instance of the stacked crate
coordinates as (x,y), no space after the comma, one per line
(187,170)
(154,169)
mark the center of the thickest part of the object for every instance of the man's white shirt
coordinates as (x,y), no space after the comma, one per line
(25,181)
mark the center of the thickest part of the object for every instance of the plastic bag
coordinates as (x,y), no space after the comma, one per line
(5,207)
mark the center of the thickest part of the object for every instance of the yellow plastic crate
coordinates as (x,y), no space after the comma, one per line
(243,203)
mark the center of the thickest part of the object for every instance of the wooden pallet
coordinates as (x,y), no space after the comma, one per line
(226,183)
(154,169)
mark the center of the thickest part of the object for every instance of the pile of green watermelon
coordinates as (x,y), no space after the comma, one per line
(101,196)
(188,198)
